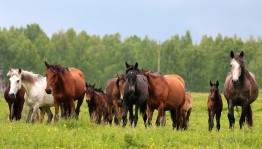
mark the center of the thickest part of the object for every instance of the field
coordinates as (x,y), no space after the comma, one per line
(84,134)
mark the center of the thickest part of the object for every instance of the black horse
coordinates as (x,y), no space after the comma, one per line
(134,92)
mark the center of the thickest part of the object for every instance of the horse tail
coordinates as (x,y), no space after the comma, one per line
(249,116)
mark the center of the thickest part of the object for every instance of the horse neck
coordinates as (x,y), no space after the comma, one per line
(245,75)
(28,85)
(64,78)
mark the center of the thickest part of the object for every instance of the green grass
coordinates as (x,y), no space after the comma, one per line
(84,134)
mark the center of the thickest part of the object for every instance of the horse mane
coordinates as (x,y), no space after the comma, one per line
(30,76)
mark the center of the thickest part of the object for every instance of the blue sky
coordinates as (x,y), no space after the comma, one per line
(157,19)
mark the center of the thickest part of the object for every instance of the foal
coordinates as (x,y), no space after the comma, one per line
(214,105)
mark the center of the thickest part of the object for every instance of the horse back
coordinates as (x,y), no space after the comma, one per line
(176,93)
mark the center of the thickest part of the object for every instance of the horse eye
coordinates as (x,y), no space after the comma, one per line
(17,81)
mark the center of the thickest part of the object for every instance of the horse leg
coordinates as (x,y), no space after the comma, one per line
(124,116)
(35,111)
(135,118)
(178,116)
(249,116)
(144,113)
(211,120)
(79,103)
(109,116)
(56,105)
(11,117)
(173,117)
(29,114)
(49,114)
(160,114)
(150,115)
(117,112)
(243,115)
(183,122)
(187,117)
(218,115)
(72,108)
(42,114)
(230,114)
(131,115)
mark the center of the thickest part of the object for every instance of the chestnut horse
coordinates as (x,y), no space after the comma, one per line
(215,106)
(97,104)
(165,93)
(70,86)
(240,89)
(15,103)
(186,111)
(134,92)
(113,99)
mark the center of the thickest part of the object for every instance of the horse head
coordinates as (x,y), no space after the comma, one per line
(51,76)
(120,84)
(90,91)
(236,66)
(131,74)
(214,91)
(15,81)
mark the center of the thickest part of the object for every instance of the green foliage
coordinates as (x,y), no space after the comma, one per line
(102,58)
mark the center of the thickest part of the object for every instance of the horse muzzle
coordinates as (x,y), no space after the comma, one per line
(48,91)
(235,82)
(12,95)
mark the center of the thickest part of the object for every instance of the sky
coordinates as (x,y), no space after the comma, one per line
(157,19)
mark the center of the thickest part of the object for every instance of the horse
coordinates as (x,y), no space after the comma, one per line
(215,106)
(113,98)
(240,89)
(15,103)
(70,86)
(97,104)
(186,111)
(34,86)
(166,92)
(134,92)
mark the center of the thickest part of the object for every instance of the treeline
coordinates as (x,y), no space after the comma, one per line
(102,58)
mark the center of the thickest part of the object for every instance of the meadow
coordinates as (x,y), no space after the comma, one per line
(83,133)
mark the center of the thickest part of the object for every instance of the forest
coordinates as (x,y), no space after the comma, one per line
(102,58)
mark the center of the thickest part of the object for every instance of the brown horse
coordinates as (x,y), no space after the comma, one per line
(97,104)
(240,89)
(69,85)
(113,98)
(215,106)
(165,93)
(186,111)
(15,103)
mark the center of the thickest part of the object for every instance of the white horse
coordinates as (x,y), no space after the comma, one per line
(35,97)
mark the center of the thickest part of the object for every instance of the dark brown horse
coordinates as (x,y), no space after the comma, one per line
(186,111)
(165,93)
(215,106)
(134,92)
(113,98)
(240,89)
(67,85)
(15,103)
(97,104)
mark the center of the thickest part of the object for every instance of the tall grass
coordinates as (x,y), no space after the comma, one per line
(84,134)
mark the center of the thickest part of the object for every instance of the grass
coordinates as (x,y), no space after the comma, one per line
(84,134)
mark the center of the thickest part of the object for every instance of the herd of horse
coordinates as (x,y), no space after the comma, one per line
(144,89)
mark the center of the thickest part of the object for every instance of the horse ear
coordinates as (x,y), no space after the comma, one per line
(127,65)
(241,54)
(47,65)
(232,54)
(86,84)
(19,70)
(210,83)
(217,83)
(94,85)
(136,65)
